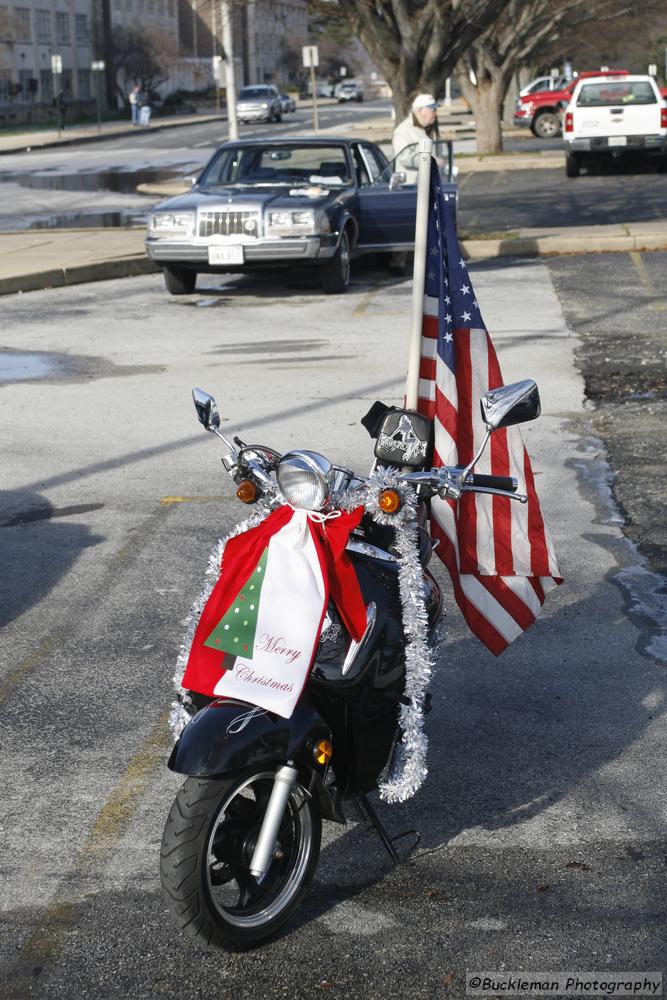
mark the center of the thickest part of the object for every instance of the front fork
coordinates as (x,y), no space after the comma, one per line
(283,785)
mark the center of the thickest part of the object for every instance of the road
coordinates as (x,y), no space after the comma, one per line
(542,819)
(94,184)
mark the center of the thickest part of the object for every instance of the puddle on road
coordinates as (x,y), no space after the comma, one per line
(18,367)
(31,366)
(89,220)
(118,180)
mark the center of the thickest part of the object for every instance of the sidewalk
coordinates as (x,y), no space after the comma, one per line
(43,258)
(75,134)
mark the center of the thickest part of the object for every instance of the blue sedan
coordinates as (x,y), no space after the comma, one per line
(261,203)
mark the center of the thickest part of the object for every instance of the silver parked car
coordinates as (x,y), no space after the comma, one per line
(260,103)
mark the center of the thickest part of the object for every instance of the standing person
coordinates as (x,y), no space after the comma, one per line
(145,108)
(421,123)
(133,98)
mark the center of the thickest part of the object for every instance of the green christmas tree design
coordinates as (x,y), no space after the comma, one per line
(235,632)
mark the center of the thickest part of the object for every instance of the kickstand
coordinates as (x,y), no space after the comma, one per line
(367,811)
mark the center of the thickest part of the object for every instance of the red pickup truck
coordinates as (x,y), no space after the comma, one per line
(542,112)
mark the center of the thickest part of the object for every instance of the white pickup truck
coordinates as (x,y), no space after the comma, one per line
(615,116)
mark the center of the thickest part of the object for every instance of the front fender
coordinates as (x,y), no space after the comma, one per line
(227,736)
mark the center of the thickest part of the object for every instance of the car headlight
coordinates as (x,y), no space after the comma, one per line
(265,105)
(171,223)
(295,222)
(304,478)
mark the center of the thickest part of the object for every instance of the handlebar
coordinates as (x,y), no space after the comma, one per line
(506,483)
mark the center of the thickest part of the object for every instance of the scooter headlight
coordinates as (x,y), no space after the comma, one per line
(304,478)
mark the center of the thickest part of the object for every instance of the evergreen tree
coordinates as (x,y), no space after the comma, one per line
(235,632)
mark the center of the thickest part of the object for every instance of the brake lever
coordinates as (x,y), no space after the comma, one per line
(521,497)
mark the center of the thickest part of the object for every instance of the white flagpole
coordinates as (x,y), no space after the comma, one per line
(419,273)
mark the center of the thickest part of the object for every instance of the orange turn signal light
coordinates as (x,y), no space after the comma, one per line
(389,501)
(322,752)
(247,491)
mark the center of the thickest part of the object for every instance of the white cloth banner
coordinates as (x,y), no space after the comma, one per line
(289,621)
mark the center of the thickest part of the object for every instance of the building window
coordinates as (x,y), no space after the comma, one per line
(43,25)
(81,28)
(28,85)
(22,24)
(5,80)
(45,85)
(62,28)
(84,84)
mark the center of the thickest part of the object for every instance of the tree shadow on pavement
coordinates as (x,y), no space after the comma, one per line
(38,546)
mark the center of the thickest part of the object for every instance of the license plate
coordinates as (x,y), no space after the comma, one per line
(617,140)
(225,255)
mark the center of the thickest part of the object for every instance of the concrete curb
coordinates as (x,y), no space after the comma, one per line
(474,250)
(59,277)
(554,246)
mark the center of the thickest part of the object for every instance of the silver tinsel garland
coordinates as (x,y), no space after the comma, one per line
(408,766)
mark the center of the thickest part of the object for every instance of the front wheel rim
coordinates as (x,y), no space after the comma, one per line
(228,854)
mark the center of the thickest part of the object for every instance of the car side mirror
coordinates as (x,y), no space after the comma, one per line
(207,410)
(510,404)
(397,178)
(192,180)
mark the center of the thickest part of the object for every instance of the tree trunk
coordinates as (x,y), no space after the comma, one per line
(488,106)
(485,99)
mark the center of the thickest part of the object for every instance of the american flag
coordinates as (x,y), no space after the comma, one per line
(498,551)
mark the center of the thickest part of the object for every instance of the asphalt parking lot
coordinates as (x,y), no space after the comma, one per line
(542,820)
(505,201)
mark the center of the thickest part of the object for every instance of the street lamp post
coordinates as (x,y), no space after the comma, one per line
(230,79)
(97,68)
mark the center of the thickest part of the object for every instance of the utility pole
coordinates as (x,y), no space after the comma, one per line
(311,58)
(230,79)
(214,54)
(105,53)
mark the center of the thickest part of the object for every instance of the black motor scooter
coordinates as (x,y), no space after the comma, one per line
(242,839)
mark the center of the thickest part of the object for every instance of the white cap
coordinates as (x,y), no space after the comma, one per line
(424,101)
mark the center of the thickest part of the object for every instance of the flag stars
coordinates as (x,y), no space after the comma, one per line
(431,275)
(447,300)
(466,317)
(465,289)
(462,263)
(448,318)
(476,304)
(448,337)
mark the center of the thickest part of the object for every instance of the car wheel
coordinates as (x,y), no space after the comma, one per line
(572,165)
(335,274)
(546,125)
(279,116)
(180,280)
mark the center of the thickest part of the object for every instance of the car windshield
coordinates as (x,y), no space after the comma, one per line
(270,165)
(601,95)
(248,92)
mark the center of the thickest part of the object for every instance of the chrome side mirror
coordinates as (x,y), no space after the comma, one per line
(510,404)
(207,410)
(396,179)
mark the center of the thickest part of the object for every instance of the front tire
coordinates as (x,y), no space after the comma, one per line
(207,846)
(335,274)
(546,125)
(180,280)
